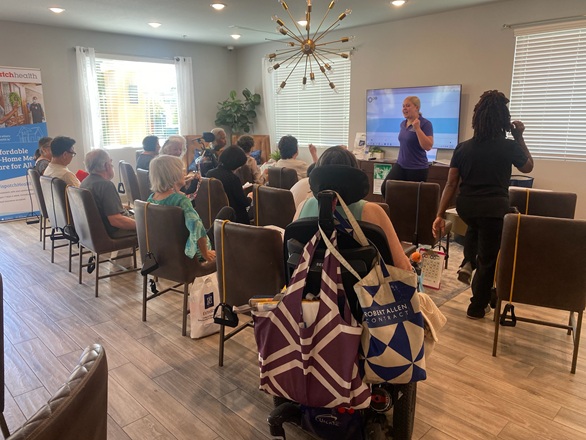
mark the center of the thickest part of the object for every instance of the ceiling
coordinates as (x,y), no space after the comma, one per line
(196,21)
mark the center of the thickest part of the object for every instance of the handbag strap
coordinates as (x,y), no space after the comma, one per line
(222,239)
(146,226)
(356,229)
(337,254)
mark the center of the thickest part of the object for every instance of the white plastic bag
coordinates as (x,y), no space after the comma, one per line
(204,296)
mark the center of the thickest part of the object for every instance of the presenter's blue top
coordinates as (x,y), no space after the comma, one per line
(411,155)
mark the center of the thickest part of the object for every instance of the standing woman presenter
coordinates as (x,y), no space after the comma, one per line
(415,139)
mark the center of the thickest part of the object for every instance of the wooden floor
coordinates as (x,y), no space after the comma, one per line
(165,386)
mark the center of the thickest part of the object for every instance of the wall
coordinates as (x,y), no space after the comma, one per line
(52,50)
(466,46)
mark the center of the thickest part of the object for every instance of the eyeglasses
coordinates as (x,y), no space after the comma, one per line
(73,153)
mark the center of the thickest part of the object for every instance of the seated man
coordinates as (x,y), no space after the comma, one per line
(117,220)
(62,154)
(289,152)
(151,147)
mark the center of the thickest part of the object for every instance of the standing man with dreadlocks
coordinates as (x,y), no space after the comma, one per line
(481,166)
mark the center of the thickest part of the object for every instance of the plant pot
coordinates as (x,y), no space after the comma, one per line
(377,155)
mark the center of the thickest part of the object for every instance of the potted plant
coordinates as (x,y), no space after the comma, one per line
(376,153)
(237,115)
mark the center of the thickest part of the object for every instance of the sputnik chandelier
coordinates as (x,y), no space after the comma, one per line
(307,49)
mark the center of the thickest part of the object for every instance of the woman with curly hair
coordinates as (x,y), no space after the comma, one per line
(481,168)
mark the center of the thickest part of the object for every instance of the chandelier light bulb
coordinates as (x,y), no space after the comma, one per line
(281,87)
(282,30)
(304,83)
(274,67)
(329,68)
(344,14)
(312,78)
(333,87)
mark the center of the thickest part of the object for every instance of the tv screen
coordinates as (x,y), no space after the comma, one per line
(439,104)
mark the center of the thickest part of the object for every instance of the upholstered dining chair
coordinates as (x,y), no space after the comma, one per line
(413,208)
(244,173)
(283,177)
(542,202)
(408,248)
(35,178)
(144,183)
(79,409)
(53,190)
(161,231)
(272,206)
(94,237)
(130,181)
(250,262)
(532,270)
(210,199)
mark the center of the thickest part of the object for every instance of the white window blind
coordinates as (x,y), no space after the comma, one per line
(316,115)
(548,91)
(137,98)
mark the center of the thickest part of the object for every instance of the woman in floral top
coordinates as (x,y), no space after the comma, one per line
(167,177)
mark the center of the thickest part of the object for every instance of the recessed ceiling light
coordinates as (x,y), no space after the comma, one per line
(398,2)
(236,36)
(218,6)
(154,24)
(302,23)
(56,10)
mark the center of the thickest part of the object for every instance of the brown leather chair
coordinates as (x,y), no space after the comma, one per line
(539,274)
(244,173)
(53,190)
(413,208)
(79,409)
(144,183)
(35,178)
(408,248)
(543,203)
(250,262)
(272,206)
(283,177)
(131,186)
(167,236)
(210,199)
(93,235)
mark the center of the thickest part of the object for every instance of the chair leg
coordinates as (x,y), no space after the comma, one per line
(44,231)
(4,426)
(447,251)
(577,333)
(497,314)
(41,230)
(97,272)
(185,297)
(80,262)
(144,297)
(570,323)
(70,254)
(221,343)
(52,250)
(134,257)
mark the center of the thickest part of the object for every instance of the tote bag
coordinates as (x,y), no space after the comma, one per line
(392,341)
(315,364)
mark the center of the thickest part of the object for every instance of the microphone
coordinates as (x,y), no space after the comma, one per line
(207,136)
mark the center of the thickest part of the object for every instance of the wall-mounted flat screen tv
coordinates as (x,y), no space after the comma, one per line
(439,104)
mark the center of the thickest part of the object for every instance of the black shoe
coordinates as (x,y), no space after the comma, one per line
(465,273)
(474,313)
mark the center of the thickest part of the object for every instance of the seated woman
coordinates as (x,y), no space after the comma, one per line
(175,146)
(362,210)
(167,177)
(44,151)
(232,157)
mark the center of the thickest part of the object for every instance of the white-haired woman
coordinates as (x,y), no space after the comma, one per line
(167,178)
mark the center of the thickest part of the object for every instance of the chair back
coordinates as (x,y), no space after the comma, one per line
(35,178)
(89,224)
(244,173)
(144,183)
(413,207)
(543,277)
(272,206)
(79,409)
(210,199)
(53,190)
(128,176)
(167,235)
(543,203)
(249,261)
(282,177)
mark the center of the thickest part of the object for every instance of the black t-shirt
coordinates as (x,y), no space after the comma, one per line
(485,172)
(233,188)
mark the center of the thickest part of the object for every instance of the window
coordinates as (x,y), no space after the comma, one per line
(316,115)
(136,98)
(548,91)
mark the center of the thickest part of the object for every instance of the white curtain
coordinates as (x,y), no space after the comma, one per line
(268,89)
(89,98)
(185,95)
